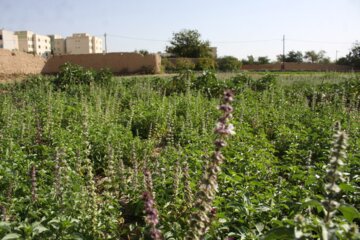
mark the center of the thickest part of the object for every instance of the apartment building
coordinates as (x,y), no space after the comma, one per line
(97,45)
(25,39)
(42,45)
(83,43)
(8,40)
(58,46)
(34,43)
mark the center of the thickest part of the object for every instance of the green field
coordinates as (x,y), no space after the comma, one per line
(78,151)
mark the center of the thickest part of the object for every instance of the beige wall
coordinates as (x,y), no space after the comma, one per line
(8,40)
(16,62)
(26,43)
(42,46)
(118,63)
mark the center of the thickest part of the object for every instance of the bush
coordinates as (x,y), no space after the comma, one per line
(209,84)
(240,82)
(71,74)
(184,64)
(167,65)
(228,64)
(264,83)
(205,64)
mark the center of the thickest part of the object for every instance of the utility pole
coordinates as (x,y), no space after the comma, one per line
(336,56)
(105,43)
(283,56)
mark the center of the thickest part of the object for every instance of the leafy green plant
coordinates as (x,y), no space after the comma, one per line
(70,75)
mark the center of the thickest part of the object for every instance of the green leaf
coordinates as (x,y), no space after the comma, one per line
(313,203)
(5,226)
(38,228)
(281,233)
(346,187)
(11,236)
(349,212)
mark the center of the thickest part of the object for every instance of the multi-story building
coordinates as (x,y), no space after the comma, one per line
(25,39)
(97,46)
(58,46)
(8,40)
(34,43)
(42,45)
(83,43)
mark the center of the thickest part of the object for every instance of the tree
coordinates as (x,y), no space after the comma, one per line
(250,60)
(143,52)
(316,57)
(280,58)
(263,60)
(352,58)
(343,61)
(228,63)
(293,56)
(187,43)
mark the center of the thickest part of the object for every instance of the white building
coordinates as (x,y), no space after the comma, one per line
(34,43)
(8,40)
(42,45)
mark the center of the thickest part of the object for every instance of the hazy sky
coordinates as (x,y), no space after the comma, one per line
(236,27)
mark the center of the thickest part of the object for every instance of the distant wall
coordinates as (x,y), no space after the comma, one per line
(118,63)
(297,67)
(15,62)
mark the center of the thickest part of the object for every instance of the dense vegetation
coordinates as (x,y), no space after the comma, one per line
(79,159)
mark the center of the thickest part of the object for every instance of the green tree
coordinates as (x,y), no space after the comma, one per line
(188,43)
(353,57)
(263,60)
(143,52)
(250,60)
(293,56)
(228,63)
(316,57)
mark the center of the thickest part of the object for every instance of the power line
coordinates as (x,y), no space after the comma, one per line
(226,41)
(137,38)
(314,41)
(246,41)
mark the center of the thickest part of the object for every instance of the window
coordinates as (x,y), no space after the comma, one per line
(39,46)
(1,46)
(1,38)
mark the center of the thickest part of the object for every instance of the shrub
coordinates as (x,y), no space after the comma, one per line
(264,83)
(71,74)
(205,64)
(184,64)
(240,81)
(167,65)
(209,84)
(228,63)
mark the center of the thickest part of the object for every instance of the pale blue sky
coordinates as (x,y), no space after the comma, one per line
(236,27)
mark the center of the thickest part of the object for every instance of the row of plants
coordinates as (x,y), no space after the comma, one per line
(137,158)
(227,63)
